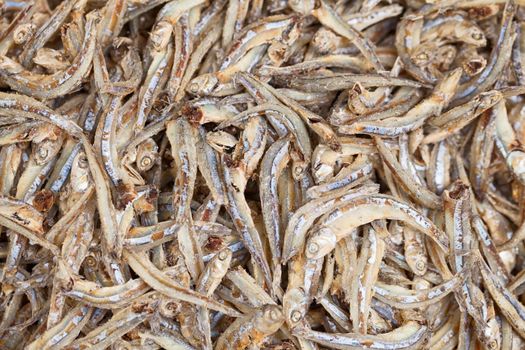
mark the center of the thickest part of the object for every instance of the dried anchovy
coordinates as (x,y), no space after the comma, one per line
(264,174)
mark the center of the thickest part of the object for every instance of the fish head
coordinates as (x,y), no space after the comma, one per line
(203,84)
(270,320)
(295,305)
(321,243)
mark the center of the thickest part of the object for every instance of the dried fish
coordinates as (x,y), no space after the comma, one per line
(329,18)
(414,118)
(500,54)
(251,329)
(366,273)
(59,83)
(361,210)
(419,193)
(403,298)
(409,336)
(239,174)
(183,142)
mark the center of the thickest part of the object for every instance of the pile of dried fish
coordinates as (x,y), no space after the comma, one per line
(262,174)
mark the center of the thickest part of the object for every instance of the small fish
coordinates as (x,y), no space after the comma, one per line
(284,175)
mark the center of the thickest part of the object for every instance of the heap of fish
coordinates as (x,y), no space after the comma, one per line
(262,174)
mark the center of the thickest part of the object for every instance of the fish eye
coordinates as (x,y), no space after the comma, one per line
(42,152)
(477,36)
(298,170)
(193,87)
(82,162)
(313,248)
(90,261)
(422,56)
(223,255)
(146,161)
(296,316)
(274,314)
